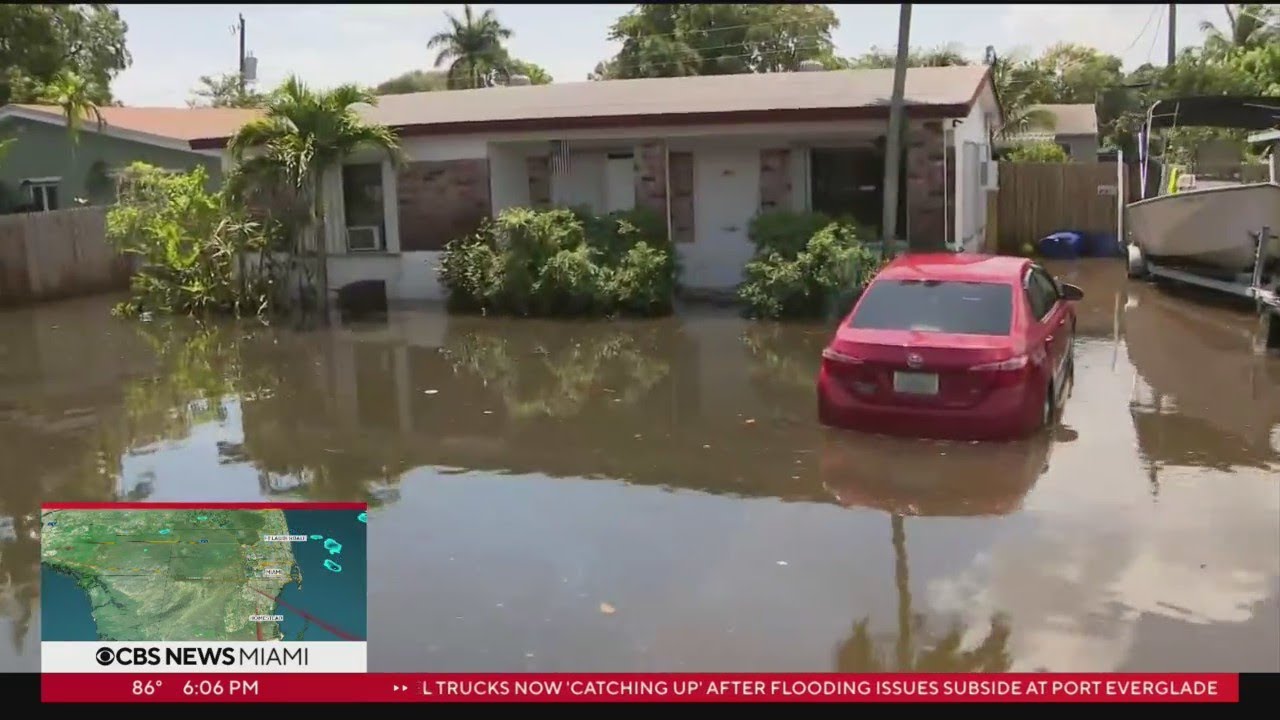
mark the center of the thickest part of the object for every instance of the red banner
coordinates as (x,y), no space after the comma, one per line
(656,687)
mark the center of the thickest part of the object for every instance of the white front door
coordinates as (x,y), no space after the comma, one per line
(726,192)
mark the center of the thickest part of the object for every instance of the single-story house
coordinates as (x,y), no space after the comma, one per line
(42,170)
(1075,130)
(708,153)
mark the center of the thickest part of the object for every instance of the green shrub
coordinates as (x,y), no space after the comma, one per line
(784,231)
(1036,152)
(190,244)
(562,262)
(823,277)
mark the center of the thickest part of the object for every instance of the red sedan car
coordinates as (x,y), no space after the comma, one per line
(957,346)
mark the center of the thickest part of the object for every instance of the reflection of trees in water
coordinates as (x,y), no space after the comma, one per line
(560,380)
(788,355)
(19,574)
(914,649)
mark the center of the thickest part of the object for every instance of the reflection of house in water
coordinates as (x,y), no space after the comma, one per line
(669,402)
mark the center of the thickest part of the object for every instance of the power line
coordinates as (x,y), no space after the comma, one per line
(1154,38)
(1151,16)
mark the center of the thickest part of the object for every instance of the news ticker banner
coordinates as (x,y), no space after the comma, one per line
(652,688)
(210,588)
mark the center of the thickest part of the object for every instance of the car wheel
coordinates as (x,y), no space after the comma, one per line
(1047,411)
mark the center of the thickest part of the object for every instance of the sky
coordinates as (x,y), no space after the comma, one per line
(326,45)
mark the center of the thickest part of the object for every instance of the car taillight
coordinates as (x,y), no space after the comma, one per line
(837,356)
(1013,363)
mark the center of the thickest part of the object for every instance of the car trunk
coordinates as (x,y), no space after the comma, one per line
(904,367)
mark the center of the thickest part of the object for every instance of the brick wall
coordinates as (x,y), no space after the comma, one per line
(775,180)
(651,175)
(926,188)
(441,201)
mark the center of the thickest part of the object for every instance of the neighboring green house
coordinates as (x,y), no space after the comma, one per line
(41,169)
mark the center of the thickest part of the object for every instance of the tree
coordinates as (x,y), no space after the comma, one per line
(40,41)
(73,94)
(719,39)
(1248,26)
(1021,84)
(536,74)
(878,59)
(226,91)
(414,81)
(472,48)
(304,133)
(1036,152)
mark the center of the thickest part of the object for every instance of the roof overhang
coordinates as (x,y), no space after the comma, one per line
(870,112)
(91,125)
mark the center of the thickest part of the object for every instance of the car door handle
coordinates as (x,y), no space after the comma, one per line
(1062,321)
(1049,339)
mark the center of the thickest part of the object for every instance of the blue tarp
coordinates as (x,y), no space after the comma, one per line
(1070,244)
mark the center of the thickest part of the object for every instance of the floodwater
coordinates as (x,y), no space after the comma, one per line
(646,496)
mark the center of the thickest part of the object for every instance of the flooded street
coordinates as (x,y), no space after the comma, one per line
(659,496)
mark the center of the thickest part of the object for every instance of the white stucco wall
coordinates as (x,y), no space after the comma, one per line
(969,225)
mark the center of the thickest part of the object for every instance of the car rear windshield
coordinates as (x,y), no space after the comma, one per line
(942,306)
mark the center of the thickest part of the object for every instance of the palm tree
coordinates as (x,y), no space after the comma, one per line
(858,653)
(1018,82)
(1249,25)
(73,94)
(473,49)
(303,133)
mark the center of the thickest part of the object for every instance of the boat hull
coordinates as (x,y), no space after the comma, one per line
(1214,228)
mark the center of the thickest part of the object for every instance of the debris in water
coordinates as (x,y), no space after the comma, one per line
(706,447)
(782,562)
(607,609)
(750,421)
(430,392)
(488,412)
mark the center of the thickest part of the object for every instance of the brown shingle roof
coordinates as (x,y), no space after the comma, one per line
(1073,119)
(183,124)
(948,91)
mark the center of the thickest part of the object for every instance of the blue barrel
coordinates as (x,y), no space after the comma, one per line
(1064,245)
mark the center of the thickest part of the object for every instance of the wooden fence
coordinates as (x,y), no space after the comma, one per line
(1036,199)
(65,253)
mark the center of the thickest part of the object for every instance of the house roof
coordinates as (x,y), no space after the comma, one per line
(1073,119)
(165,126)
(829,95)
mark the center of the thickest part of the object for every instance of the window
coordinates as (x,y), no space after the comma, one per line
(967,308)
(849,183)
(363,203)
(44,193)
(1042,293)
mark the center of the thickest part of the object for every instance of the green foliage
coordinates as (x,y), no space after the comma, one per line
(226,91)
(1036,152)
(562,262)
(784,231)
(40,41)
(881,59)
(472,49)
(810,279)
(414,81)
(661,40)
(188,246)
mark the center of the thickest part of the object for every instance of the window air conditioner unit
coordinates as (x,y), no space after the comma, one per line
(364,238)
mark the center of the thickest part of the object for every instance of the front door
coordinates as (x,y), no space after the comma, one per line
(726,197)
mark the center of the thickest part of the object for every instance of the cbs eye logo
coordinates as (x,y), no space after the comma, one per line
(104,656)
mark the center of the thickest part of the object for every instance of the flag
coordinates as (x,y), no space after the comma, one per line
(559,157)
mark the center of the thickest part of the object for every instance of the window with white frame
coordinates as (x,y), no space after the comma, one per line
(362,198)
(43,193)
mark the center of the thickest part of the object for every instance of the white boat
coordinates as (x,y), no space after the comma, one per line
(1210,221)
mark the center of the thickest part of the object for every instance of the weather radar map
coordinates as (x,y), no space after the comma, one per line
(203,574)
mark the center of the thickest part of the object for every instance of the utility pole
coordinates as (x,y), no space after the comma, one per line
(893,144)
(1173,33)
(241,54)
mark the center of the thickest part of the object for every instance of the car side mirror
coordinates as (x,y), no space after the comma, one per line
(1072,292)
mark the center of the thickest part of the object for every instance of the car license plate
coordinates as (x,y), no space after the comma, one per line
(914,383)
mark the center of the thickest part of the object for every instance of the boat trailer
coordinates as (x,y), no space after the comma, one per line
(1256,285)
